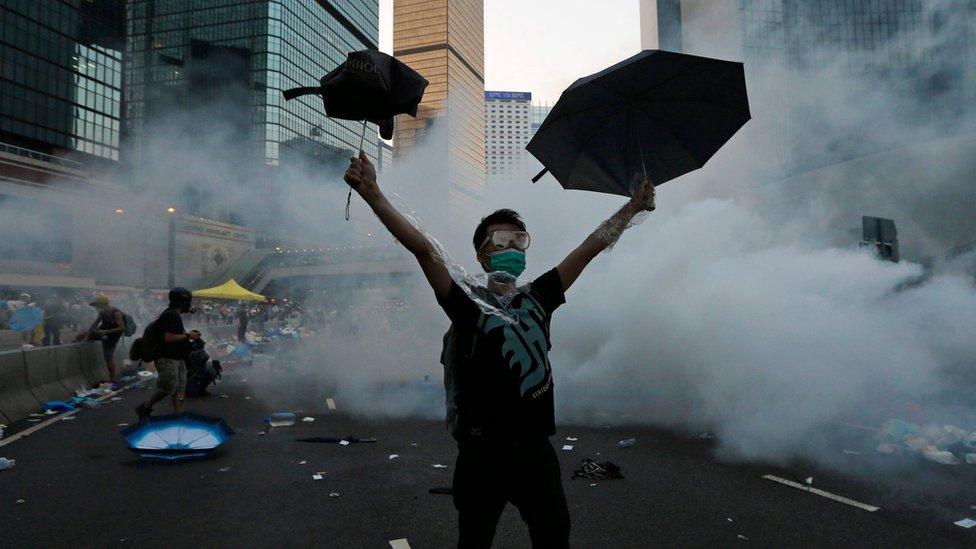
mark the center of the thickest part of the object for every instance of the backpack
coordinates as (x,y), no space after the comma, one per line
(146,348)
(129,325)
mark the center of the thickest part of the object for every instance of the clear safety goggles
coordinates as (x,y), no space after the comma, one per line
(500,240)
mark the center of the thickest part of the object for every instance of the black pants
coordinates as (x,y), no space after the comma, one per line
(52,333)
(488,475)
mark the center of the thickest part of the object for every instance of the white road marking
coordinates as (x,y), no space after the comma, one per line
(822,493)
(401,543)
(45,423)
(330,403)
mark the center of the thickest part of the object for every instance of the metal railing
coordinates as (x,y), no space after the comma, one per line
(43,157)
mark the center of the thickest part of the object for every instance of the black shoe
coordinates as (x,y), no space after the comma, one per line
(142,411)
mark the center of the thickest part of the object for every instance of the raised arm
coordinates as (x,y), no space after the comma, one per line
(361,176)
(605,235)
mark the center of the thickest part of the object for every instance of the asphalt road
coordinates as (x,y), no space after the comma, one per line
(81,487)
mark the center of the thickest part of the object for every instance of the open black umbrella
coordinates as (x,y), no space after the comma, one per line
(658,113)
(370,86)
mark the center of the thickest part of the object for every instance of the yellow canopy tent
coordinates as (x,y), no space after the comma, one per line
(228,290)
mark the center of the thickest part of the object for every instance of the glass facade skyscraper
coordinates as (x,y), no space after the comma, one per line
(235,57)
(61,76)
(444,41)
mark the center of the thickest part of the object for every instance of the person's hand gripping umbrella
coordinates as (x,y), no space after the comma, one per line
(370,86)
(659,114)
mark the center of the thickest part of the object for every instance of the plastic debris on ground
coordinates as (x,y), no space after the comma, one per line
(809,480)
(336,440)
(317,476)
(572,439)
(567,447)
(308,419)
(439,466)
(598,471)
(394,456)
(145,374)
(965,523)
(280,419)
(343,443)
(938,443)
(224,469)
(7,463)
(740,536)
(627,443)
(334,494)
(69,418)
(21,501)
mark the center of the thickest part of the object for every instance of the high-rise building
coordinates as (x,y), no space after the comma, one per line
(508,128)
(890,41)
(61,77)
(219,67)
(444,41)
(538,111)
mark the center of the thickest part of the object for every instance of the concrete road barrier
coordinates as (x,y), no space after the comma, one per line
(42,375)
(70,373)
(92,363)
(16,399)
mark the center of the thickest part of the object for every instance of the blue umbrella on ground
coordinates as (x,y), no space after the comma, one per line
(176,437)
(26,319)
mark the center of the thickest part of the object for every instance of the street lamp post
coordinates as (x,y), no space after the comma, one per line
(171,251)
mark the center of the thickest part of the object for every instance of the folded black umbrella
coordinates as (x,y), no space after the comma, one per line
(371,86)
(658,113)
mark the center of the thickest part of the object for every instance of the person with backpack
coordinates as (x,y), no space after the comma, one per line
(497,375)
(166,343)
(109,327)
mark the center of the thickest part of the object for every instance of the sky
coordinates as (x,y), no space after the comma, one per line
(542,46)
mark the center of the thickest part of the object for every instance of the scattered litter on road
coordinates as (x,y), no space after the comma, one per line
(280,419)
(965,523)
(728,519)
(598,471)
(69,418)
(224,469)
(399,543)
(20,501)
(334,494)
(740,536)
(441,490)
(145,374)
(933,454)
(439,466)
(317,476)
(809,480)
(34,420)
(113,399)
(247,398)
(123,425)
(411,444)
(567,447)
(54,406)
(50,412)
(261,433)
(302,462)
(572,439)
(308,419)
(7,463)
(343,443)
(394,456)
(330,403)
(224,396)
(852,452)
(627,443)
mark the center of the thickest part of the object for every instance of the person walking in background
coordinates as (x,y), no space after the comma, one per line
(242,319)
(107,328)
(55,317)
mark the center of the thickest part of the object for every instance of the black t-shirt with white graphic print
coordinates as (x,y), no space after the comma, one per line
(501,386)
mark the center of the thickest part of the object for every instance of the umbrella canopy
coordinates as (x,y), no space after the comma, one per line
(176,437)
(26,319)
(229,290)
(658,113)
(369,85)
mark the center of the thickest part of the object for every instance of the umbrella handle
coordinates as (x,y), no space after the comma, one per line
(539,175)
(296,92)
(362,137)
